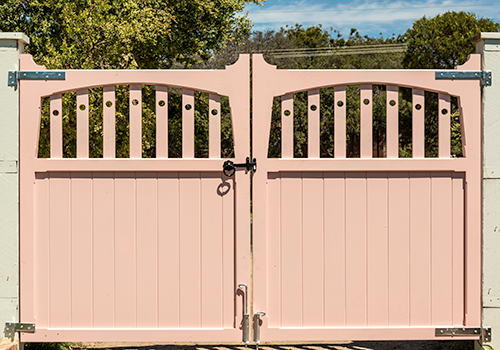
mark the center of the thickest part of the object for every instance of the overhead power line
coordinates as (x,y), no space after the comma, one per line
(329,2)
(373,9)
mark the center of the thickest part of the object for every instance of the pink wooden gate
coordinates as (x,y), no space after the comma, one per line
(133,249)
(155,249)
(360,249)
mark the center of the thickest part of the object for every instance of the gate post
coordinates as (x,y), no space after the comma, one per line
(488,45)
(11,45)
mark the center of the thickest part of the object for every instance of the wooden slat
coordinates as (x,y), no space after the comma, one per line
(147,250)
(458,249)
(211,251)
(392,123)
(287,131)
(126,259)
(444,126)
(291,250)
(313,124)
(56,131)
(135,121)
(42,248)
(82,124)
(313,247)
(168,245)
(187,124)
(60,250)
(335,271)
(398,249)
(109,123)
(442,243)
(161,122)
(366,122)
(228,256)
(190,250)
(420,249)
(377,254)
(355,249)
(274,246)
(340,122)
(81,250)
(214,126)
(103,249)
(418,126)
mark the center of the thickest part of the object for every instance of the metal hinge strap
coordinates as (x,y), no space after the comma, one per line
(484,76)
(484,333)
(12,327)
(14,76)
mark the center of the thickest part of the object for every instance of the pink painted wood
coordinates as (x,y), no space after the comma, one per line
(388,234)
(313,123)
(134,249)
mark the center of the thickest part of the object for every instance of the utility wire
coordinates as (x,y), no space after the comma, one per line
(336,51)
(330,2)
(372,9)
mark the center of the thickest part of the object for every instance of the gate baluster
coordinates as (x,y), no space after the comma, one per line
(214,126)
(313,124)
(366,121)
(109,116)
(287,126)
(418,127)
(82,123)
(444,147)
(187,123)
(161,121)
(56,136)
(135,103)
(340,122)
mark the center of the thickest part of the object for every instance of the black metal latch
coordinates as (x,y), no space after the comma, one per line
(229,167)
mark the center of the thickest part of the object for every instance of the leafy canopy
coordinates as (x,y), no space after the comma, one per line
(124,34)
(444,41)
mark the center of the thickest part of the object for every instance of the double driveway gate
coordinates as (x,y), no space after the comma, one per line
(138,249)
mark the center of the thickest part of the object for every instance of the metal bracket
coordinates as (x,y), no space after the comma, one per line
(256,326)
(12,327)
(485,76)
(15,76)
(486,336)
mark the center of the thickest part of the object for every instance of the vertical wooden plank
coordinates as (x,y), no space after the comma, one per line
(168,245)
(228,256)
(81,250)
(444,111)
(313,248)
(135,105)
(211,252)
(161,121)
(340,122)
(392,122)
(147,245)
(418,126)
(399,228)
(103,249)
(366,111)
(109,125)
(187,123)
(442,243)
(60,250)
(420,249)
(458,249)
(287,126)
(313,124)
(377,254)
(274,245)
(214,126)
(42,248)
(355,249)
(291,250)
(190,250)
(334,253)
(56,134)
(82,124)
(125,273)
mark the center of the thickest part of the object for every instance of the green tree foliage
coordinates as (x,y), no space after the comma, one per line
(444,41)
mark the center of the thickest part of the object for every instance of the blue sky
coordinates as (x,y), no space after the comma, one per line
(370,17)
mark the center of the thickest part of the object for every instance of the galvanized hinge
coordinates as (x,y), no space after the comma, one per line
(485,76)
(484,333)
(12,327)
(14,76)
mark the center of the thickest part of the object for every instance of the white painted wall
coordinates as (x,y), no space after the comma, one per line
(488,44)
(11,45)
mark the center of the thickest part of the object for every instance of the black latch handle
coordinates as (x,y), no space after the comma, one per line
(229,167)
